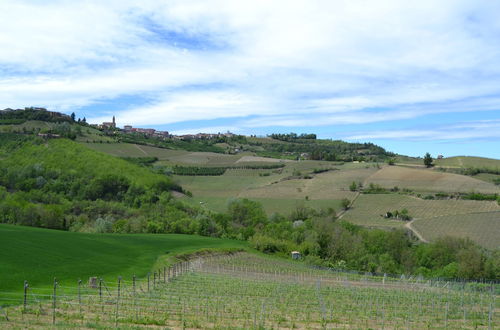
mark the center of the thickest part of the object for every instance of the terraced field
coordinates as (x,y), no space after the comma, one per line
(250,291)
(483,228)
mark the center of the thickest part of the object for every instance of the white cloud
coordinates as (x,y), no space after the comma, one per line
(484,129)
(286,63)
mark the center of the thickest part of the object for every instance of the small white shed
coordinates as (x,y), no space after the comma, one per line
(296,255)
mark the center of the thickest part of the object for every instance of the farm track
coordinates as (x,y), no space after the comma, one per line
(416,232)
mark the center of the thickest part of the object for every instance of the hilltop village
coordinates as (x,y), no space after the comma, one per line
(160,134)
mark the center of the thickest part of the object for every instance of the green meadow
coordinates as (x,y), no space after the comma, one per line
(40,255)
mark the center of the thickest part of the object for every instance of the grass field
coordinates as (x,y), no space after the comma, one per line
(245,291)
(368,209)
(426,180)
(483,228)
(39,255)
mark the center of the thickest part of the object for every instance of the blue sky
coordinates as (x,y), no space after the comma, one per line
(410,77)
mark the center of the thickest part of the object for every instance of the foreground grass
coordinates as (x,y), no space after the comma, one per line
(39,255)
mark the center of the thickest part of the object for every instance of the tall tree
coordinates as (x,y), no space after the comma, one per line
(428,160)
(72,116)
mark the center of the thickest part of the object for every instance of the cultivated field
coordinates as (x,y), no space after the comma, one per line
(368,209)
(467,161)
(283,190)
(483,228)
(426,180)
(135,150)
(249,291)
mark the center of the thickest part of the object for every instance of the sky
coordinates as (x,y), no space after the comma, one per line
(413,77)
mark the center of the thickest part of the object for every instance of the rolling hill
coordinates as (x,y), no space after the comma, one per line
(38,255)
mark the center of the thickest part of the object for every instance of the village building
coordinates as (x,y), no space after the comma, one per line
(108,124)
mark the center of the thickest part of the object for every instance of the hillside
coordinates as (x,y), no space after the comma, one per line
(321,185)
(39,255)
(277,204)
(468,161)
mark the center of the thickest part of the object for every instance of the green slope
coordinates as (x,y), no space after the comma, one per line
(68,157)
(39,255)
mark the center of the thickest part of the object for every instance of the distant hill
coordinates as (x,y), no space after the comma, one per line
(19,116)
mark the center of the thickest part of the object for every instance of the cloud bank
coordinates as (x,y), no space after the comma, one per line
(258,64)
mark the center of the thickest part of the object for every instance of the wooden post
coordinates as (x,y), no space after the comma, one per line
(133,295)
(149,275)
(154,280)
(25,301)
(446,317)
(54,299)
(80,295)
(489,316)
(164,275)
(100,294)
(133,285)
(117,300)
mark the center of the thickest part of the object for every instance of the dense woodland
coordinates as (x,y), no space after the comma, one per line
(60,184)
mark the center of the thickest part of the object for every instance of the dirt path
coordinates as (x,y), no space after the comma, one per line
(414,231)
(343,212)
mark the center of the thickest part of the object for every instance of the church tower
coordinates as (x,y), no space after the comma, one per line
(114,123)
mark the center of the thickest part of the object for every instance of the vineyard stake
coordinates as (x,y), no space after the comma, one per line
(80,295)
(25,295)
(117,300)
(100,294)
(54,297)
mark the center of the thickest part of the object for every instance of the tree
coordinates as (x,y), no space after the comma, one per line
(72,116)
(428,160)
(345,203)
(353,186)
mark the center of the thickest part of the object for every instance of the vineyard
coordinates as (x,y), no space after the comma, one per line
(368,209)
(248,291)
(480,227)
